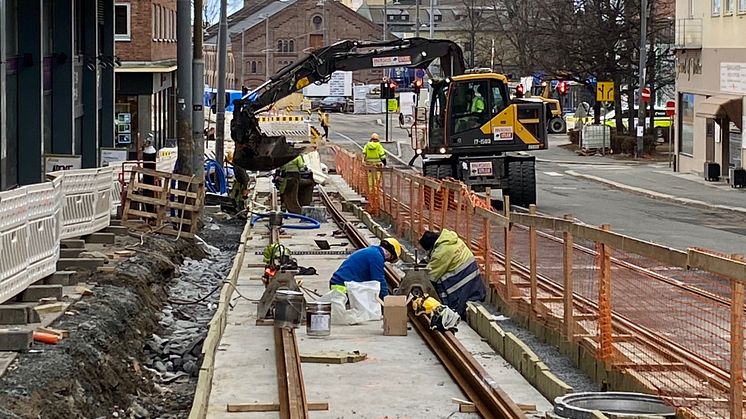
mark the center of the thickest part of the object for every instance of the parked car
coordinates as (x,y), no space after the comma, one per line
(336,103)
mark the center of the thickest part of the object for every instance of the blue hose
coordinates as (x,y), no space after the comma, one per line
(222,183)
(314,224)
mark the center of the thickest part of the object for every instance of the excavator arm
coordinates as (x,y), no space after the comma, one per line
(257,151)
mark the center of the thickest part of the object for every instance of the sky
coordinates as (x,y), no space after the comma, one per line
(213,7)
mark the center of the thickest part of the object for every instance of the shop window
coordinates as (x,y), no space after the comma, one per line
(686,123)
(122,22)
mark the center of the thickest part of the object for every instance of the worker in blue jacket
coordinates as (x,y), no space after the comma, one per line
(367,265)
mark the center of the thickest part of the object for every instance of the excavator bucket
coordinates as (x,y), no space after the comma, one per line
(269,152)
(256,150)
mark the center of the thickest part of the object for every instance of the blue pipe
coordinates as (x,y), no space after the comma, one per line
(222,183)
(314,224)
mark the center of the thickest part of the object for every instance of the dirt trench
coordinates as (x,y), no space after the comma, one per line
(103,369)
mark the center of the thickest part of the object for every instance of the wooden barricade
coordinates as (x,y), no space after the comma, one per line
(152,197)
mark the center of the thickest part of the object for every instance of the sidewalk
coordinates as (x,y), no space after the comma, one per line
(659,181)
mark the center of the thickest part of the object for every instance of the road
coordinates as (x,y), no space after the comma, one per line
(661,221)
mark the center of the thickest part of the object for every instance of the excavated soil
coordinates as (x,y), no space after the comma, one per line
(105,368)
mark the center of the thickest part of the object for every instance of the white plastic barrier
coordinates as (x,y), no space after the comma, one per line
(13,242)
(87,200)
(34,219)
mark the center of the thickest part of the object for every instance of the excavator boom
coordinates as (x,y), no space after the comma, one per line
(257,151)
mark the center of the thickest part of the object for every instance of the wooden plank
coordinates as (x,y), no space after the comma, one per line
(495,218)
(154,188)
(736,351)
(185,207)
(270,407)
(147,199)
(138,213)
(334,357)
(179,192)
(177,220)
(721,265)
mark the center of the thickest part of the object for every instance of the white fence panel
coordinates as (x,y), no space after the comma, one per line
(13,242)
(103,203)
(44,205)
(79,207)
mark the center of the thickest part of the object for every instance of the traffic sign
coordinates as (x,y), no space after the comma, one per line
(420,73)
(605,91)
(646,94)
(670,108)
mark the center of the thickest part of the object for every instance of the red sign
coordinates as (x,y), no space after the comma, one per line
(646,94)
(670,108)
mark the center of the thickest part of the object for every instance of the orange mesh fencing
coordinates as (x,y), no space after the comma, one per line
(670,321)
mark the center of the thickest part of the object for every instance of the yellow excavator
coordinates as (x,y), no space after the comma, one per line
(474,131)
(543,92)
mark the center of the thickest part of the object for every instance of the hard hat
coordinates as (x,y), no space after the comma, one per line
(374,136)
(392,244)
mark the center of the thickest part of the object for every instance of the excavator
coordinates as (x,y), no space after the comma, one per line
(474,131)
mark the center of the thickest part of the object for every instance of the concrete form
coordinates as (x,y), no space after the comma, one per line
(401,377)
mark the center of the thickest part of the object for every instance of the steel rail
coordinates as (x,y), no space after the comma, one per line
(489,400)
(290,386)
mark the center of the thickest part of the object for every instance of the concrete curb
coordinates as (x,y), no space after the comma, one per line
(654,194)
(517,353)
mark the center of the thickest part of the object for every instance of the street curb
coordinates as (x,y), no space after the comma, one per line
(655,194)
(594,163)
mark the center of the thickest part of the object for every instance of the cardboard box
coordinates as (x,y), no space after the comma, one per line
(395,315)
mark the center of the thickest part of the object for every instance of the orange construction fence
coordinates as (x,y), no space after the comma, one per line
(668,321)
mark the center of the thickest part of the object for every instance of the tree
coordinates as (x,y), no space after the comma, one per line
(473,22)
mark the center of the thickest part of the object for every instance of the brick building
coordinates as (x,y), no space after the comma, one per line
(145,35)
(271,35)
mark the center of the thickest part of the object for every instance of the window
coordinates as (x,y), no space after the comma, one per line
(469,107)
(741,6)
(253,67)
(317,21)
(291,47)
(716,7)
(686,123)
(498,98)
(122,22)
(279,46)
(259,67)
(729,7)
(437,115)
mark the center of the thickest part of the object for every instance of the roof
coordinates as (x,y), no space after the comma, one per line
(248,22)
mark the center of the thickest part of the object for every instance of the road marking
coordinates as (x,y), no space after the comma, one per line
(565,188)
(555,174)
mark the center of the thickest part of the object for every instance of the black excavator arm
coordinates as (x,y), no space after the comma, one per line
(257,151)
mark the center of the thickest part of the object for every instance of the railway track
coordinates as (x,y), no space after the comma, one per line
(292,391)
(490,401)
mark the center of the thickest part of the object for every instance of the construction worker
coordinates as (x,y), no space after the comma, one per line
(324,121)
(453,270)
(367,265)
(290,175)
(476,102)
(374,155)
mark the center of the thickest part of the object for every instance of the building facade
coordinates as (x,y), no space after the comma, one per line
(145,108)
(269,37)
(710,83)
(56,85)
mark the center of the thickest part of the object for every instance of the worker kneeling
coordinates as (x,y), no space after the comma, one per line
(367,265)
(453,270)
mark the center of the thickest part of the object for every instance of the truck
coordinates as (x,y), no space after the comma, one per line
(472,130)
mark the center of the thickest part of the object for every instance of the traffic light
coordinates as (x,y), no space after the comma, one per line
(519,91)
(388,89)
(417,85)
(562,88)
(392,89)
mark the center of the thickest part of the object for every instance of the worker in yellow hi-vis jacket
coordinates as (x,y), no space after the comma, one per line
(374,155)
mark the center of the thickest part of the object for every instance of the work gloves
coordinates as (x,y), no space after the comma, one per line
(384,162)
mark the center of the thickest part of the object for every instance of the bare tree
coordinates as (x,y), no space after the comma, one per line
(472,21)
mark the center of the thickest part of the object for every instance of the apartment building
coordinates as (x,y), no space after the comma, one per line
(145,35)
(710,83)
(56,85)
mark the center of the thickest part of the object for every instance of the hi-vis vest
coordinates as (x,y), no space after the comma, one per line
(374,153)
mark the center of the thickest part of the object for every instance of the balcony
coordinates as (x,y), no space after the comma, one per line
(688,33)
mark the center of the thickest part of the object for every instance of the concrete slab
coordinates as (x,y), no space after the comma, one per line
(72,244)
(400,377)
(71,253)
(89,264)
(60,278)
(101,238)
(37,292)
(15,339)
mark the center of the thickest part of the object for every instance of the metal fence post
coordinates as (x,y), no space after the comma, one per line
(569,323)
(532,257)
(605,347)
(508,252)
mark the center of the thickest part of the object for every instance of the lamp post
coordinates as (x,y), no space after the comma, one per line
(385,20)
(417,18)
(432,20)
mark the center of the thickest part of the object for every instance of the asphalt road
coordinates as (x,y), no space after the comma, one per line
(661,221)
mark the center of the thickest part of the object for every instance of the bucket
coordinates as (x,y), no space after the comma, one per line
(318,318)
(288,308)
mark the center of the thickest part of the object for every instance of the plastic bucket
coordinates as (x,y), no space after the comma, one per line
(288,308)
(318,318)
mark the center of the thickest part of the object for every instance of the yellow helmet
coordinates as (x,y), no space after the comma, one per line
(392,244)
(374,136)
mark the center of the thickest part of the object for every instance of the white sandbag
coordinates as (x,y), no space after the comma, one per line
(363,297)
(340,314)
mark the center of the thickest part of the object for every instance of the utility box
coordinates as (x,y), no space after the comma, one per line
(395,315)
